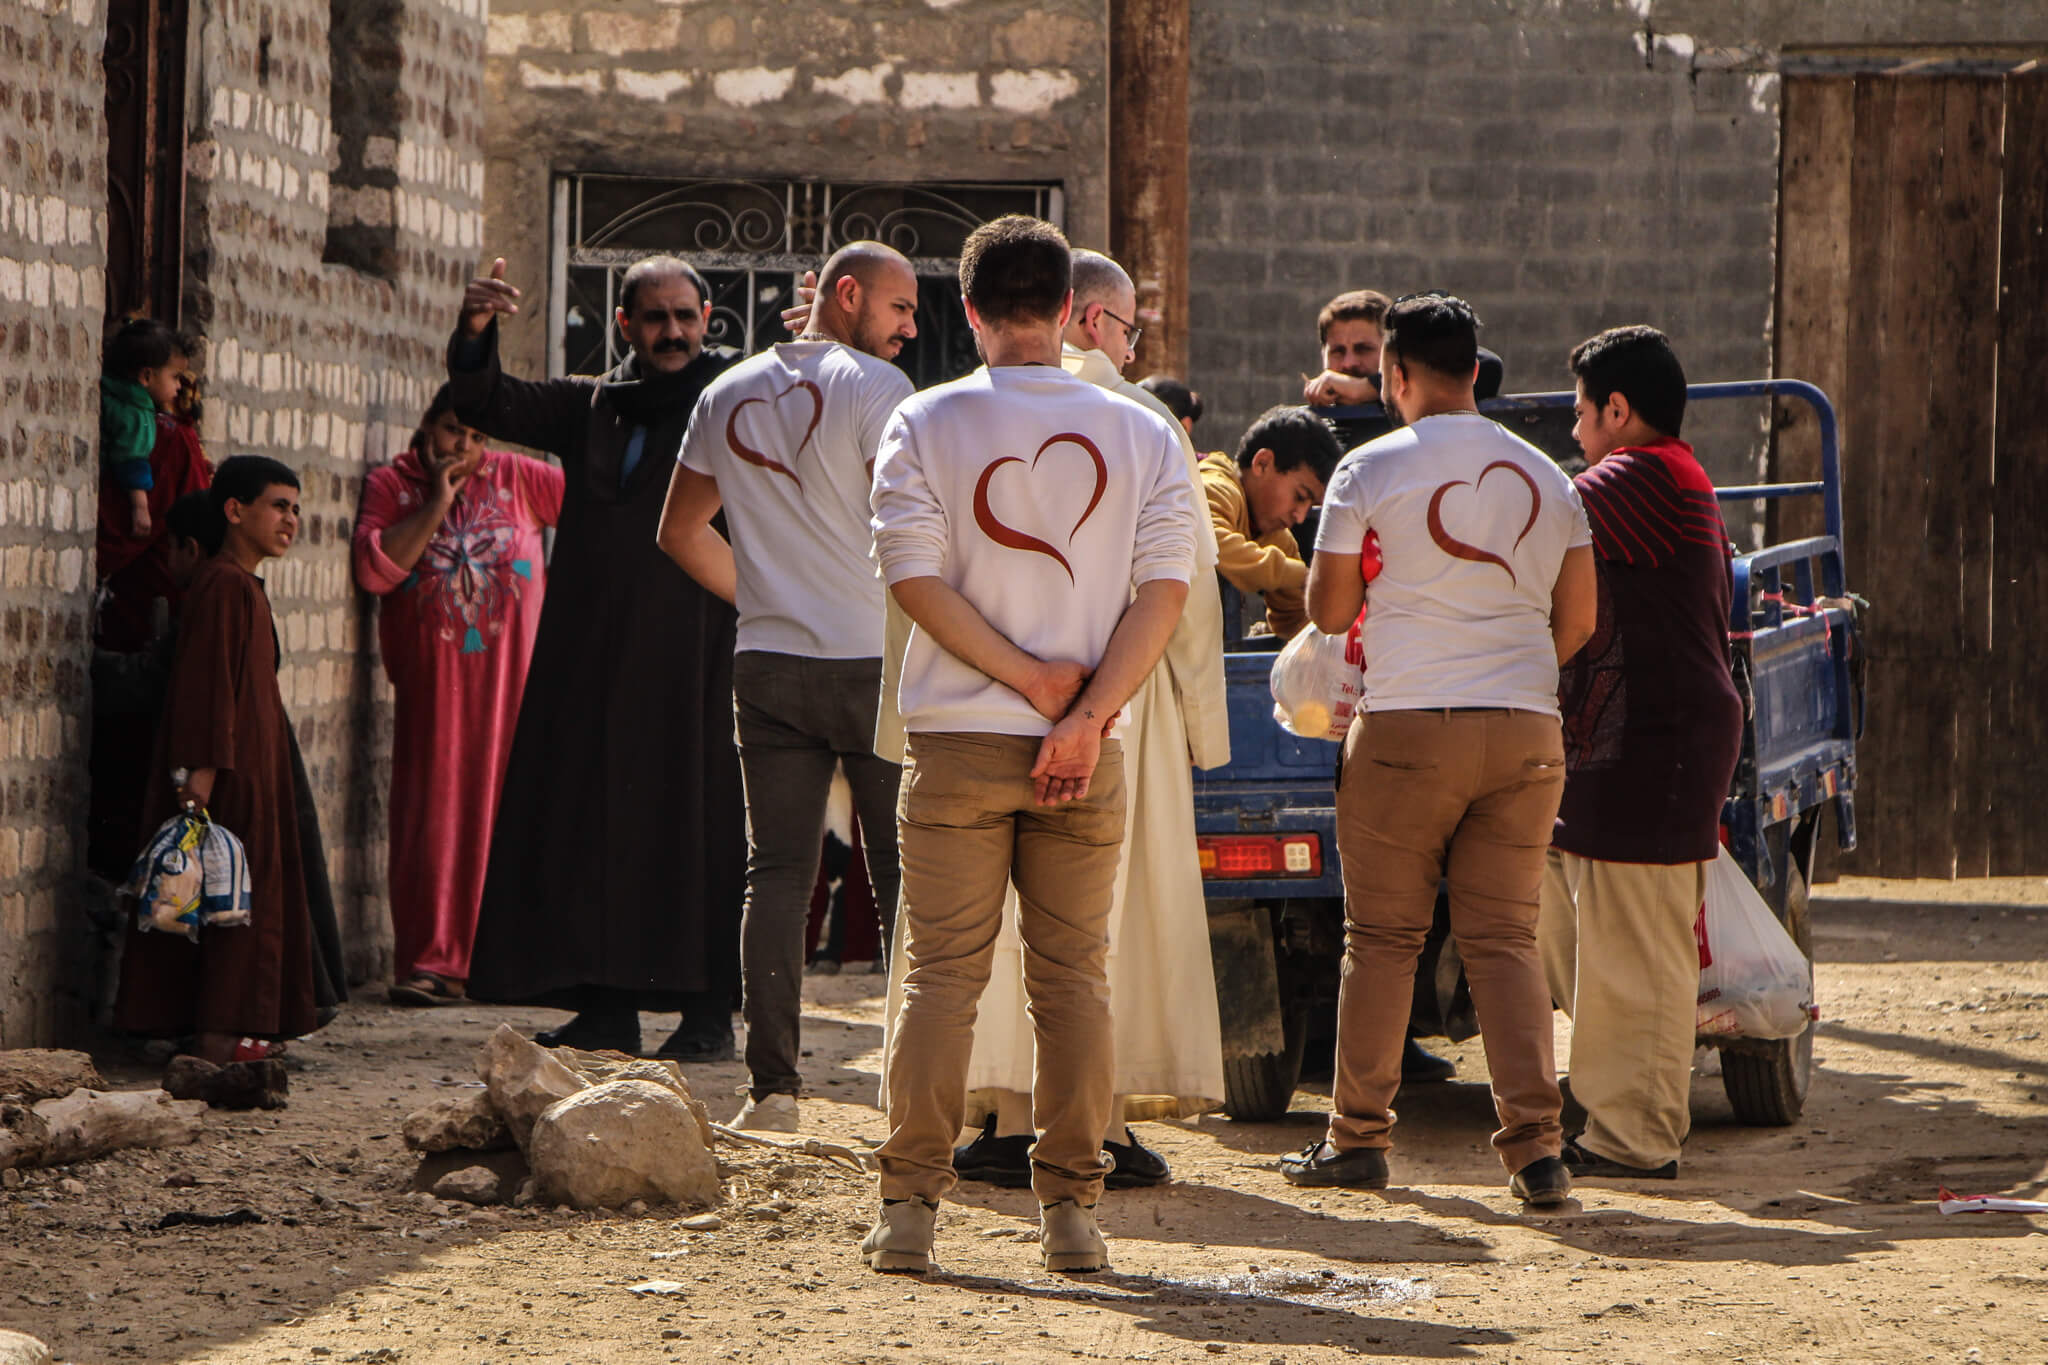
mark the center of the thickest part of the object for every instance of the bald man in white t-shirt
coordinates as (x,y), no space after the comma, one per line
(1455,765)
(785,442)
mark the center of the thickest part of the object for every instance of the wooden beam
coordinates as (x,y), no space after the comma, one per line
(1148,171)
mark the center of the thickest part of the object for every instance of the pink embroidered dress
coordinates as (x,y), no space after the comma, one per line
(457,633)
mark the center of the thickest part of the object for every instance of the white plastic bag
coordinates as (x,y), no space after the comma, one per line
(1754,981)
(1318,682)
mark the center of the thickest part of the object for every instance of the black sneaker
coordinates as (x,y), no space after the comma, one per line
(1544,1183)
(697,1048)
(1137,1166)
(992,1160)
(1420,1066)
(1591,1165)
(1361,1168)
(596,1031)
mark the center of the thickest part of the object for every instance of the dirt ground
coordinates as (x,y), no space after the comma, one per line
(1816,1242)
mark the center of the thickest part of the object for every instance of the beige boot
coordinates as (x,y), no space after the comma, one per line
(901,1239)
(1069,1239)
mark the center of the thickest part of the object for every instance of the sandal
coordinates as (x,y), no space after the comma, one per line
(425,988)
(255,1050)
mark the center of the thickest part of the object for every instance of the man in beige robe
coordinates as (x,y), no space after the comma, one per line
(1169,1051)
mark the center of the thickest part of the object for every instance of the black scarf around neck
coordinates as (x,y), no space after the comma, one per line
(646,399)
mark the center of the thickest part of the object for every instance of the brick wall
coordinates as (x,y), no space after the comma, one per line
(914,90)
(52,230)
(321,365)
(1566,167)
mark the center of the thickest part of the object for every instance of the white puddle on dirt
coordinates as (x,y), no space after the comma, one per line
(1311,1288)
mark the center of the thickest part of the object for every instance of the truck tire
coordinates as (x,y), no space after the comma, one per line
(1767,1081)
(1259,1088)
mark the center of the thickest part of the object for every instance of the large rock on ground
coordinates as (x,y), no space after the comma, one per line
(90,1123)
(471,1185)
(624,1140)
(599,1067)
(466,1122)
(523,1079)
(19,1348)
(23,1135)
(36,1073)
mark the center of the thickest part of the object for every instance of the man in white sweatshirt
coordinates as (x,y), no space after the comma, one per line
(786,443)
(1040,534)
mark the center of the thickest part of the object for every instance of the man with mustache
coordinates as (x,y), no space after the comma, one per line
(785,442)
(617,861)
(1041,534)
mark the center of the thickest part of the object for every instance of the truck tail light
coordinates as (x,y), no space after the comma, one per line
(1260,855)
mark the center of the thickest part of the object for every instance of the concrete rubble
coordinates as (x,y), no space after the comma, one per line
(55,1111)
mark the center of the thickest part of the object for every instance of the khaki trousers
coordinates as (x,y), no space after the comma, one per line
(1468,796)
(967,826)
(1623,962)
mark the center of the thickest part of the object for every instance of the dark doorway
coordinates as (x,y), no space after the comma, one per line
(145,68)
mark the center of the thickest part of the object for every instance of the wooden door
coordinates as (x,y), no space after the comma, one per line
(1912,278)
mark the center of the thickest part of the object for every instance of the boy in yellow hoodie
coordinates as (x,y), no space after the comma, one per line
(1256,501)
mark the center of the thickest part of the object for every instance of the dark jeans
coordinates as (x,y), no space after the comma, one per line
(796,718)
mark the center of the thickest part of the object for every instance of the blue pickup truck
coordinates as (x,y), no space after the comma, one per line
(1267,821)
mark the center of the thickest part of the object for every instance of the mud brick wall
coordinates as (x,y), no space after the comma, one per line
(314,353)
(1565,166)
(52,234)
(915,90)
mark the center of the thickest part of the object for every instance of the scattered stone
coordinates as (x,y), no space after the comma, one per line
(260,1084)
(461,1122)
(23,1135)
(91,1123)
(71,1185)
(673,1289)
(19,1348)
(523,1079)
(764,1213)
(621,1141)
(671,1334)
(636,1208)
(36,1073)
(471,1185)
(509,1166)
(711,1222)
(10,1179)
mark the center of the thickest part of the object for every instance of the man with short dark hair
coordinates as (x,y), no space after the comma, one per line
(1351,331)
(1180,400)
(617,861)
(1257,499)
(1653,729)
(785,444)
(1041,535)
(1454,764)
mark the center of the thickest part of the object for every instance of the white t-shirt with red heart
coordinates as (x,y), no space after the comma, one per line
(790,435)
(1045,502)
(1473,524)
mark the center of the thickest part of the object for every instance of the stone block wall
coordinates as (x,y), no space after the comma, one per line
(52,250)
(912,90)
(322,365)
(1565,166)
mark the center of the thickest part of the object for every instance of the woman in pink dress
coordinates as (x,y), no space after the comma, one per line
(449,535)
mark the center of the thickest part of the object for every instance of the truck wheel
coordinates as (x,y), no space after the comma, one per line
(1767,1080)
(1259,1087)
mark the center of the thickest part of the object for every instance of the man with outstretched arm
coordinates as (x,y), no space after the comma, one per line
(1040,533)
(785,442)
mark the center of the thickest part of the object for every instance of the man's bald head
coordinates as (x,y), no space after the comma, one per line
(867,299)
(1105,308)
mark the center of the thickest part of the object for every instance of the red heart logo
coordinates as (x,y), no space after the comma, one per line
(762,458)
(1011,538)
(1456,548)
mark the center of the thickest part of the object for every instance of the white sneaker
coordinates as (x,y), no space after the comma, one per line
(1069,1239)
(901,1239)
(775,1113)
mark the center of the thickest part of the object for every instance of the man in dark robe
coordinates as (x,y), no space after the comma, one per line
(225,746)
(618,859)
